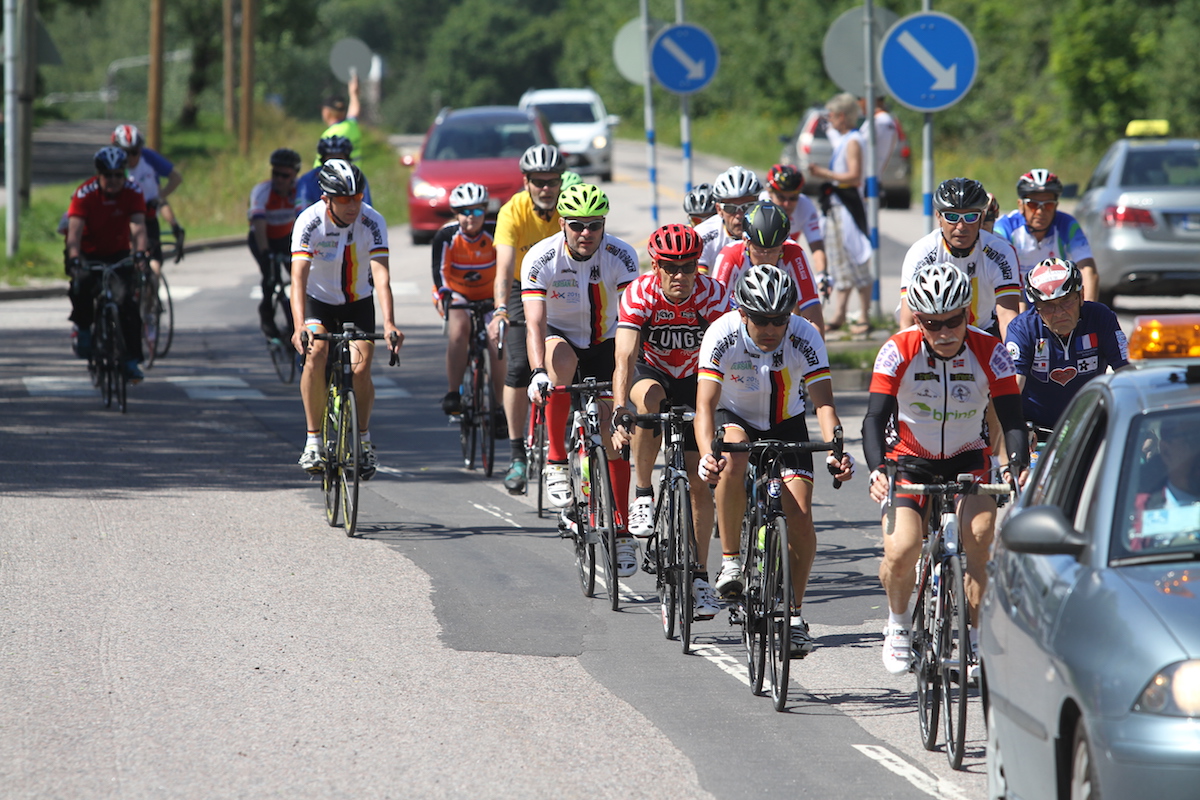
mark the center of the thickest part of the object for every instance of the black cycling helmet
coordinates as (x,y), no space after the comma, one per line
(1038,180)
(785,178)
(766,225)
(334,147)
(339,178)
(960,193)
(283,157)
(110,159)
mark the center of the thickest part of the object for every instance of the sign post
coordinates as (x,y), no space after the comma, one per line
(684,58)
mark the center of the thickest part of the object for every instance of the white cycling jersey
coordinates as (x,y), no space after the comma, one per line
(715,239)
(991,265)
(340,258)
(581,297)
(805,219)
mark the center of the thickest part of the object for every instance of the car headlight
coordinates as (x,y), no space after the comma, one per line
(600,142)
(1174,692)
(427,191)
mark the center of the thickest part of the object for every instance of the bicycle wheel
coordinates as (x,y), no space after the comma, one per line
(482,388)
(585,550)
(929,677)
(753,633)
(283,355)
(955,652)
(331,475)
(780,606)
(664,562)
(350,459)
(600,518)
(166,319)
(467,429)
(151,312)
(683,558)
(114,354)
(536,455)
(102,351)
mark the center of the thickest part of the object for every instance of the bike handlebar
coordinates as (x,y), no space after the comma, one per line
(349,334)
(836,446)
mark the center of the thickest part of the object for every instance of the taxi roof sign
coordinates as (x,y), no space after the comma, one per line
(1147,127)
(1169,336)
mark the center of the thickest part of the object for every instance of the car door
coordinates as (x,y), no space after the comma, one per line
(1035,590)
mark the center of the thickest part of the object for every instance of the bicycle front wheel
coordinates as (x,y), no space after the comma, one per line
(166,318)
(482,387)
(683,557)
(753,604)
(925,666)
(283,355)
(601,518)
(780,606)
(350,460)
(467,430)
(955,653)
(331,476)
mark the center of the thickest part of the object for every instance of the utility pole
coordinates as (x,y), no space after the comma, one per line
(246,119)
(12,216)
(155,88)
(230,66)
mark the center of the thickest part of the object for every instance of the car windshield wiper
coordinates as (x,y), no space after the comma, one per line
(1156,558)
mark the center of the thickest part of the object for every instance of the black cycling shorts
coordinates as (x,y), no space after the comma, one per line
(154,236)
(360,312)
(680,392)
(790,430)
(598,361)
(516,357)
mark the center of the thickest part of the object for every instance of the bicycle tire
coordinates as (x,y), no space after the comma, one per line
(585,551)
(482,380)
(350,461)
(602,520)
(956,648)
(467,429)
(536,459)
(682,539)
(331,474)
(929,677)
(664,562)
(114,345)
(753,635)
(151,310)
(166,321)
(283,355)
(780,605)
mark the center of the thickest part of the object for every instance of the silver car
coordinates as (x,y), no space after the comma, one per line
(1141,214)
(580,125)
(809,144)
(1090,624)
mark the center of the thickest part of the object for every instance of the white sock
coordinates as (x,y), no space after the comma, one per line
(312,440)
(897,620)
(365,437)
(974,634)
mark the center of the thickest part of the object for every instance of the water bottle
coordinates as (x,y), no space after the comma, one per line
(585,472)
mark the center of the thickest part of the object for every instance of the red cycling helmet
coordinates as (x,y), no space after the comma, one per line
(1053,278)
(785,178)
(675,243)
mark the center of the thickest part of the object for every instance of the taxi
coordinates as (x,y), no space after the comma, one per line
(1090,625)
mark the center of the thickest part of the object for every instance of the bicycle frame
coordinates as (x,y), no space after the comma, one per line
(109,348)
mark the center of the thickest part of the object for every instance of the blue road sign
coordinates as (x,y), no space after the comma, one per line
(928,61)
(684,58)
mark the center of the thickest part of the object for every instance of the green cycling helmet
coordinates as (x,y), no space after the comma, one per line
(570,179)
(582,200)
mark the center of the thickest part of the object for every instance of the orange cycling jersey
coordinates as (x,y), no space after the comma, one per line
(465,265)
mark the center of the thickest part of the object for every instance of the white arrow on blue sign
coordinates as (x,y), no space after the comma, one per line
(928,61)
(684,58)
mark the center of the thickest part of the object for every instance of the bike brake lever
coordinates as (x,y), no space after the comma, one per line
(393,355)
(838,451)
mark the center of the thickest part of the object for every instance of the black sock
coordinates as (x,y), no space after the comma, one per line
(646,492)
(518,449)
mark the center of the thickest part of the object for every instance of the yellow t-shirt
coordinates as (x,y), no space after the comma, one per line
(519,226)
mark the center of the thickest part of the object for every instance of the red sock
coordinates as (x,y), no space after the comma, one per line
(558,410)
(618,473)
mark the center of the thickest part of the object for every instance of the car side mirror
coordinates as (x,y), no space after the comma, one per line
(1043,531)
(612,120)
(1070,191)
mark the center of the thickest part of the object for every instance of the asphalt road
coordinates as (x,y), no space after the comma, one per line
(178,619)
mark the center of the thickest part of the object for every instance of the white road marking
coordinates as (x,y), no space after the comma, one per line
(724,661)
(386,388)
(215,387)
(931,785)
(184,292)
(501,515)
(58,386)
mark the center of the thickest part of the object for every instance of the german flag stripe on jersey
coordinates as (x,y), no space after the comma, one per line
(596,317)
(817,375)
(711,374)
(351,272)
(533,294)
(780,392)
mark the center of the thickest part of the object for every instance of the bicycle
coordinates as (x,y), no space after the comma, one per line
(674,542)
(942,656)
(590,519)
(283,355)
(106,363)
(536,447)
(341,448)
(158,309)
(767,604)
(476,419)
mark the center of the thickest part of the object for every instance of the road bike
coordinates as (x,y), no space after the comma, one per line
(283,354)
(767,605)
(106,362)
(477,414)
(158,309)
(942,657)
(341,447)
(673,541)
(590,519)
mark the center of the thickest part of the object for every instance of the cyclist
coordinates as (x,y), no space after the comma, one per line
(699,204)
(735,189)
(339,258)
(526,219)
(106,218)
(308,190)
(662,320)
(765,241)
(785,186)
(273,210)
(1062,342)
(464,267)
(342,118)
(1038,230)
(986,259)
(931,387)
(570,286)
(761,368)
(146,168)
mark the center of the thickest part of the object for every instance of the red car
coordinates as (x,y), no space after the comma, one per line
(481,145)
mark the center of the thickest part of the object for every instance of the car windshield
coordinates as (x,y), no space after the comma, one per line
(1162,167)
(568,112)
(480,137)
(1161,502)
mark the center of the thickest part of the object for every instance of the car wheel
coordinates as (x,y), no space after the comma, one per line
(1083,770)
(997,784)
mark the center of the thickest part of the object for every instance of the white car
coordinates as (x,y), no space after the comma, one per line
(580,125)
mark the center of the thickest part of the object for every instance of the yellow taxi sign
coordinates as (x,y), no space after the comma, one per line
(1147,127)
(1169,336)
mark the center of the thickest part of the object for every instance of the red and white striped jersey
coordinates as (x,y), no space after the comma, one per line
(671,332)
(734,260)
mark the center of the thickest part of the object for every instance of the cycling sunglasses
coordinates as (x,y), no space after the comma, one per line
(342,200)
(762,321)
(676,267)
(733,209)
(970,217)
(547,183)
(1035,205)
(937,324)
(470,212)
(579,227)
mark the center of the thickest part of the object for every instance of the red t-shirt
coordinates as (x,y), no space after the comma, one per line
(105,218)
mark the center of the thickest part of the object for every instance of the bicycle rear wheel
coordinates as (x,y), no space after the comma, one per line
(151,312)
(664,562)
(349,460)
(779,610)
(955,652)
(331,475)
(166,319)
(929,677)
(600,517)
(683,557)
(753,632)
(482,388)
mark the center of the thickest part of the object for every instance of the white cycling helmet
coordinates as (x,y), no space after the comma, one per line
(736,182)
(466,195)
(542,158)
(938,289)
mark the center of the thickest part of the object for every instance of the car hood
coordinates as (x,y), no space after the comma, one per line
(502,176)
(576,132)
(1172,591)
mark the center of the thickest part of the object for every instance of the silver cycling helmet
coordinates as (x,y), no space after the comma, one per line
(736,182)
(700,202)
(766,290)
(542,158)
(938,289)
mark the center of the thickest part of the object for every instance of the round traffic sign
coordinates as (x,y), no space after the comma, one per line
(350,54)
(843,50)
(629,49)
(928,61)
(684,58)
